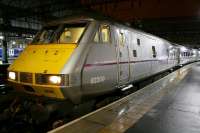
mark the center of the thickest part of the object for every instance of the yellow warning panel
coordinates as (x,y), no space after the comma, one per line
(48,58)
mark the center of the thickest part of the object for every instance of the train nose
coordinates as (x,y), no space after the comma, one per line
(37,69)
(48,59)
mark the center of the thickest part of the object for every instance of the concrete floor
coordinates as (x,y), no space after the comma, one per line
(177,112)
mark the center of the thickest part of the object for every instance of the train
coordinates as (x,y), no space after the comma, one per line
(79,59)
(12,52)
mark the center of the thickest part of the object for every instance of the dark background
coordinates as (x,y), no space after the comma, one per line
(175,20)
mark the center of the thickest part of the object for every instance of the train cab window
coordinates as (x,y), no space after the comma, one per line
(134,53)
(121,39)
(61,33)
(138,41)
(71,34)
(45,35)
(154,51)
(105,33)
(96,37)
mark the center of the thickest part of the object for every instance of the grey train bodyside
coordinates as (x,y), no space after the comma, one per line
(187,55)
(101,64)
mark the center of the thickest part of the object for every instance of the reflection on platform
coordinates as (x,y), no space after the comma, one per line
(178,112)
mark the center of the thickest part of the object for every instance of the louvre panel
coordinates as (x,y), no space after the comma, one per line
(26,77)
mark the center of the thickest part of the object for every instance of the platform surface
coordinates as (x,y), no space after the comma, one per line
(177,112)
(145,110)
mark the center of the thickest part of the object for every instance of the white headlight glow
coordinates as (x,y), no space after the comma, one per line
(12,75)
(55,79)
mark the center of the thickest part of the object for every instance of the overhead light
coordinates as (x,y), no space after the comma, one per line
(1,37)
(183,48)
(29,38)
(13,42)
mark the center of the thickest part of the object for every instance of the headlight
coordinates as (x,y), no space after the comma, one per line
(55,79)
(52,79)
(12,75)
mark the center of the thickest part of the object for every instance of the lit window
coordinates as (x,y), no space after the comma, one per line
(105,33)
(96,37)
(71,35)
(68,33)
(121,39)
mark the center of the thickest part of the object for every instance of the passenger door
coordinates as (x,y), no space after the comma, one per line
(123,58)
(100,70)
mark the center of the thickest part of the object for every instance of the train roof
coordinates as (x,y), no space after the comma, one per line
(84,16)
(88,18)
(69,20)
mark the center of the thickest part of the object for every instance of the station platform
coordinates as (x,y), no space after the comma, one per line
(169,105)
(178,112)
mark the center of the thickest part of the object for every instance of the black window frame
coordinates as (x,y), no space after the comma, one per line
(138,41)
(154,53)
(134,53)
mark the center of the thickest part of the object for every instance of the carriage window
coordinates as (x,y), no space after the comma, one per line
(105,33)
(138,41)
(154,51)
(96,37)
(121,39)
(134,53)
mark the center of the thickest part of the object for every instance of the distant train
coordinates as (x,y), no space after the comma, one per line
(79,59)
(12,52)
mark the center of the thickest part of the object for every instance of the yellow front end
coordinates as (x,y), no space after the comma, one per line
(37,69)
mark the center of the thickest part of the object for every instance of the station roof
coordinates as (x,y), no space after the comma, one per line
(177,21)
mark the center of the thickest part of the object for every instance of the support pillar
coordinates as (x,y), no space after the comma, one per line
(4,51)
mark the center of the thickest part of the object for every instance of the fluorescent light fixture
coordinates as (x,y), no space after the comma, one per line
(183,48)
(1,37)
(13,42)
